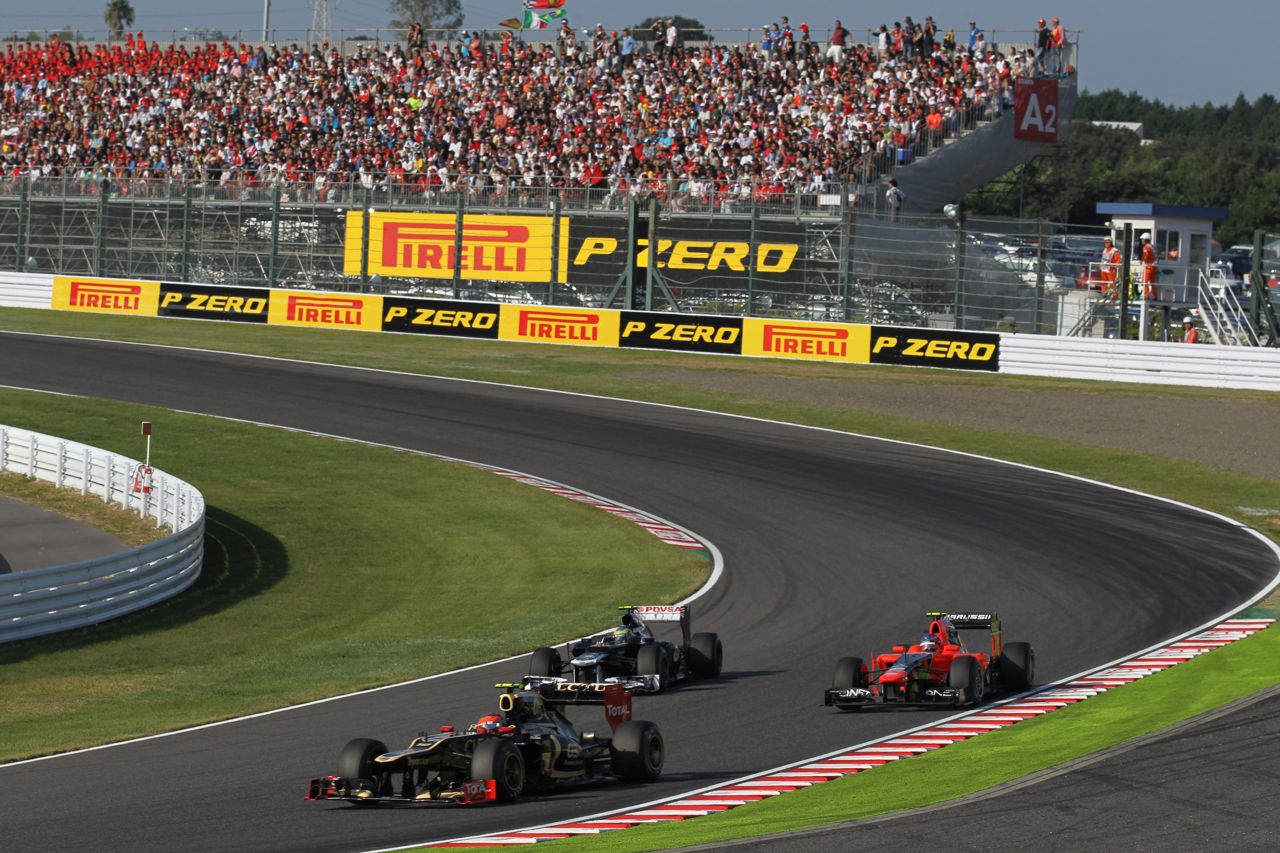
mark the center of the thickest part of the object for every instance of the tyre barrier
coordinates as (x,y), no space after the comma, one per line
(59,598)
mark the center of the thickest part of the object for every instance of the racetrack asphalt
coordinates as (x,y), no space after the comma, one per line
(33,538)
(831,543)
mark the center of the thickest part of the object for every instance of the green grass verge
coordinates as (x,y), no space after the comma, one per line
(340,568)
(1109,719)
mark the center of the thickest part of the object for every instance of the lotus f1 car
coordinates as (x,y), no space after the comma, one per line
(527,746)
(938,670)
(631,656)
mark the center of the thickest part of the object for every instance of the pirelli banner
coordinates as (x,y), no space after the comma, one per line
(590,251)
(594,327)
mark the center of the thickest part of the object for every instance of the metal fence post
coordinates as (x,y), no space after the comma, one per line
(457,243)
(651,267)
(843,260)
(275,236)
(555,250)
(100,241)
(366,210)
(184,262)
(1035,311)
(1126,268)
(958,308)
(751,259)
(20,248)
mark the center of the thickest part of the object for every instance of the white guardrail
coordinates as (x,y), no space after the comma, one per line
(57,598)
(1151,362)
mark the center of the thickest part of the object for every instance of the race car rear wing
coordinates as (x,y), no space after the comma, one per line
(663,613)
(968,621)
(615,698)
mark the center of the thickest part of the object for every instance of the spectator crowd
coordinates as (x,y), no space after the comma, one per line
(589,110)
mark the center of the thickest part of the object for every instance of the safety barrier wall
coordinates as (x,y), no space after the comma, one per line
(1030,355)
(58,598)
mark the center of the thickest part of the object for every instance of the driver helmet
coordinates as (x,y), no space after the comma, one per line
(929,643)
(488,724)
(621,633)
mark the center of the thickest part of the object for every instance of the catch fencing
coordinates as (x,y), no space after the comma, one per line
(823,253)
(58,598)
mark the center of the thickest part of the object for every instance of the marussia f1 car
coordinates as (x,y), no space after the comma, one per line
(528,746)
(630,655)
(938,670)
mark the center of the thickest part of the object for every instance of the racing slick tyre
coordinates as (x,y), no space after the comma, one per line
(499,759)
(1017,667)
(637,751)
(850,672)
(545,662)
(356,762)
(652,660)
(356,759)
(706,655)
(966,676)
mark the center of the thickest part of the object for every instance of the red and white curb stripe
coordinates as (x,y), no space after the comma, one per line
(662,529)
(814,771)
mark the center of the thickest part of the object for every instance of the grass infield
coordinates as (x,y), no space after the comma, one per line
(1008,754)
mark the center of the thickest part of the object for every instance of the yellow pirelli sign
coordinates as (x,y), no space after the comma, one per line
(552,325)
(426,245)
(807,341)
(325,310)
(105,295)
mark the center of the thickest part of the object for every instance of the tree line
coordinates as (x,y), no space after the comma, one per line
(1205,156)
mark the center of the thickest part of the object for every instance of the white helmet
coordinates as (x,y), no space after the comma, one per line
(1146,235)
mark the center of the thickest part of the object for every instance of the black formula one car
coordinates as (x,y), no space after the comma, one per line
(938,670)
(630,655)
(527,746)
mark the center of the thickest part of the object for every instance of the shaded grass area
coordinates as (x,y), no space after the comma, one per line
(311,590)
(114,519)
(1008,754)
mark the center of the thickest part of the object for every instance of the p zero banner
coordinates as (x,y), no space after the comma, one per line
(440,317)
(1035,109)
(211,302)
(593,251)
(935,348)
(427,245)
(598,327)
(105,295)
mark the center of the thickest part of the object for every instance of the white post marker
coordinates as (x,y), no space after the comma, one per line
(142,472)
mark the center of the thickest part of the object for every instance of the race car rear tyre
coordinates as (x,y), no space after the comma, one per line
(652,660)
(637,751)
(850,672)
(706,655)
(545,662)
(499,759)
(1017,667)
(356,759)
(966,676)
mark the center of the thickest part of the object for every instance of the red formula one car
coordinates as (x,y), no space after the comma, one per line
(938,670)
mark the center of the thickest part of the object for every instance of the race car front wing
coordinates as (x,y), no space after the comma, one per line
(468,793)
(926,696)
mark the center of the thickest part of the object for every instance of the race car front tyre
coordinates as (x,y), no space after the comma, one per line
(545,662)
(637,751)
(966,676)
(706,655)
(499,759)
(356,762)
(1017,667)
(652,660)
(850,672)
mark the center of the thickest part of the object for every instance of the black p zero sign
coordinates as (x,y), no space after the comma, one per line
(685,332)
(935,348)
(210,302)
(440,317)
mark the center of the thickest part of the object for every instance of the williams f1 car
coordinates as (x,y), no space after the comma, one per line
(938,670)
(631,656)
(527,746)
